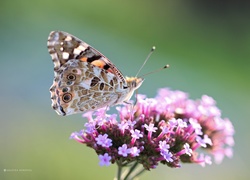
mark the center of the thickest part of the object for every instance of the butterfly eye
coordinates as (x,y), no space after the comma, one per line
(133,83)
(67,97)
(71,77)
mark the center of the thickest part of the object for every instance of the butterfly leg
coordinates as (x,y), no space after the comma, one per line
(104,112)
(132,105)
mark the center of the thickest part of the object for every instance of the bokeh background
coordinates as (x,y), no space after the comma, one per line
(207,44)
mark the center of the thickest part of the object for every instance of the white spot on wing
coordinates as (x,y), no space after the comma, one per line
(68,38)
(79,49)
(56,63)
(54,56)
(97,71)
(50,43)
(65,55)
(86,83)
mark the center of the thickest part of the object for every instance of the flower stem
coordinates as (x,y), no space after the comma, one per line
(132,168)
(119,172)
(139,173)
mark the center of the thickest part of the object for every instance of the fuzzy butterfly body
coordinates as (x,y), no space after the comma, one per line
(84,79)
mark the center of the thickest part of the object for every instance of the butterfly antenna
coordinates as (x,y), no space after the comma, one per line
(157,70)
(150,53)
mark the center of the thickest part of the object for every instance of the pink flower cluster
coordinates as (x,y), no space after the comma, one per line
(167,129)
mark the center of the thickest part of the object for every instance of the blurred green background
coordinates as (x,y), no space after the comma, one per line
(207,44)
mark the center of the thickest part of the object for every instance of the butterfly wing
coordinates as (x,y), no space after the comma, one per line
(63,47)
(84,78)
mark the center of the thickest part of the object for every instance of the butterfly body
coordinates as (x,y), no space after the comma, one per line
(85,80)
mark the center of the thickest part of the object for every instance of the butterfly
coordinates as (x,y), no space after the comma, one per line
(84,79)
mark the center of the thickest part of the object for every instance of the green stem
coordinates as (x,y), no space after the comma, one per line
(139,173)
(132,168)
(119,172)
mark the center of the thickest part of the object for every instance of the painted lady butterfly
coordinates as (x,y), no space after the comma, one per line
(85,80)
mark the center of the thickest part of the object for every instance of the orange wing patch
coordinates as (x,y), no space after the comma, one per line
(98,63)
(84,59)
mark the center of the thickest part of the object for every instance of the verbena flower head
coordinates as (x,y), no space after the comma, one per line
(168,129)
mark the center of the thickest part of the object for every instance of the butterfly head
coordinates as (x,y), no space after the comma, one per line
(133,83)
